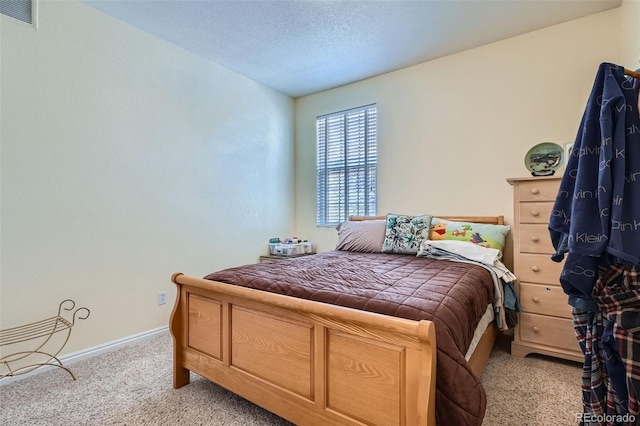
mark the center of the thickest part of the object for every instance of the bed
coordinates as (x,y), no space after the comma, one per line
(328,361)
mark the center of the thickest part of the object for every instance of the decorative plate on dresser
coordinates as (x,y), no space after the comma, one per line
(544,325)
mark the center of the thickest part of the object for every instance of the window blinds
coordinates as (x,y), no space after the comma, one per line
(347,159)
(18,9)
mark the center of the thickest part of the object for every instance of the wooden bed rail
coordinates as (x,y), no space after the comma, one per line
(311,363)
(491,220)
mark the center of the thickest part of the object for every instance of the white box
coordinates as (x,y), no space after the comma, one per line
(281,249)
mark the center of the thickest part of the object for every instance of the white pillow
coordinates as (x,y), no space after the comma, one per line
(469,250)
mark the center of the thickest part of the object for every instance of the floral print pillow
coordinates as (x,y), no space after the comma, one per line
(405,233)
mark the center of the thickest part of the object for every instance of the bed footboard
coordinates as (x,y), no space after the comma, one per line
(308,362)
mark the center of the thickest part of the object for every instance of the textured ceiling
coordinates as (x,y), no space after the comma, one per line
(301,47)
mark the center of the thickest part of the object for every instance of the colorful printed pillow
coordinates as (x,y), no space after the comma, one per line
(405,233)
(362,236)
(482,234)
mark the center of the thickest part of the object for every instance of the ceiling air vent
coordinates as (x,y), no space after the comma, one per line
(21,10)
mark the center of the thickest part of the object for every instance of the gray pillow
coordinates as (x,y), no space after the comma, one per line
(364,236)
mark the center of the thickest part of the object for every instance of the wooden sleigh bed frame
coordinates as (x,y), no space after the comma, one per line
(309,362)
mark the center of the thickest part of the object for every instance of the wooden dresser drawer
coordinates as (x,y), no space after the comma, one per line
(531,212)
(544,299)
(542,190)
(548,331)
(539,268)
(534,238)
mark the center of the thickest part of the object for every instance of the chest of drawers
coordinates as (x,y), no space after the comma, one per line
(544,325)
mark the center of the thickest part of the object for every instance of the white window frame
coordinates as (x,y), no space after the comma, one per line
(347,164)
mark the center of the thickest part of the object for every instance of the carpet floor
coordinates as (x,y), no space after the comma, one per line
(132,386)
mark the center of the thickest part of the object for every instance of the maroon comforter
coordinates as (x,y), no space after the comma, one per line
(451,294)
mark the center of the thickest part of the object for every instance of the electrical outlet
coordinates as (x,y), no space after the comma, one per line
(162,298)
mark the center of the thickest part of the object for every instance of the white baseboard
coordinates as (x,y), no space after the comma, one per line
(91,352)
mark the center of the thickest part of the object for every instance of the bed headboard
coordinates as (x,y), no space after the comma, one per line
(492,220)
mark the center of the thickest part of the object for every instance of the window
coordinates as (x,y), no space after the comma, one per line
(347,164)
(23,10)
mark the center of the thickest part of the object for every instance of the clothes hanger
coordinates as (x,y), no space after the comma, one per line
(634,74)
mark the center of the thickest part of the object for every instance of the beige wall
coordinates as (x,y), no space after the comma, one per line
(452,130)
(630,30)
(125,159)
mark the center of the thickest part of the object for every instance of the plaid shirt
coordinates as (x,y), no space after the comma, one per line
(598,395)
(617,293)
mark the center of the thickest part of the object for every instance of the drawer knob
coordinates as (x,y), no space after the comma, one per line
(536,299)
(535,191)
(536,329)
(535,213)
(535,239)
(535,268)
